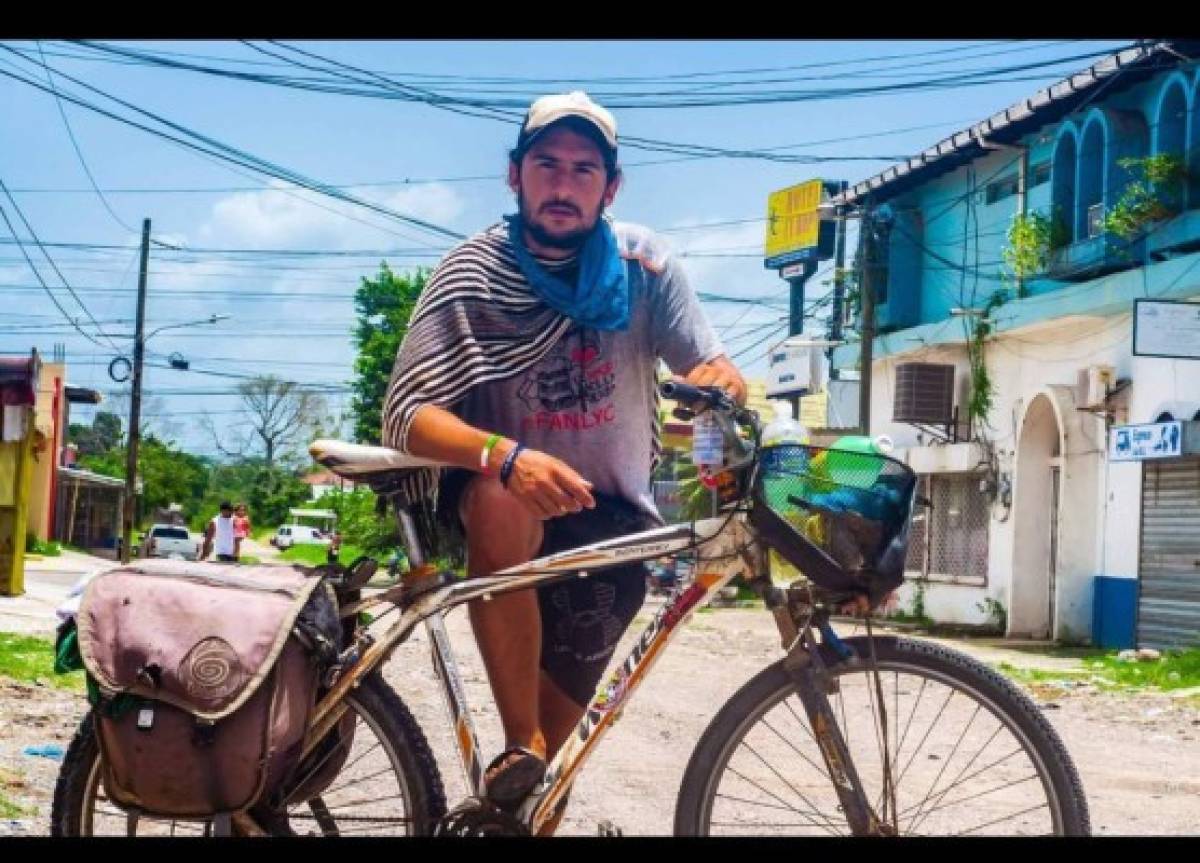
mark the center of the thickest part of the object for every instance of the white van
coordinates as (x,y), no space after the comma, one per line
(297,534)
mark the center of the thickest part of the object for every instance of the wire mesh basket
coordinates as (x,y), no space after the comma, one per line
(853,506)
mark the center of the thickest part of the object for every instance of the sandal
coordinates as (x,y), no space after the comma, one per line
(508,785)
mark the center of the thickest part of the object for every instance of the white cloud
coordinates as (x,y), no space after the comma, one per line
(285,216)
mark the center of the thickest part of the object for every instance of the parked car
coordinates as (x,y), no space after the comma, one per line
(170,540)
(297,534)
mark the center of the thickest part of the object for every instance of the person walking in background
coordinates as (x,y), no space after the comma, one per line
(241,529)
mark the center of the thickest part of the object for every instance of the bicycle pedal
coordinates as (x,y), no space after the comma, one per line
(609,829)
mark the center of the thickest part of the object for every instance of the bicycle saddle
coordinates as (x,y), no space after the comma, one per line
(374,465)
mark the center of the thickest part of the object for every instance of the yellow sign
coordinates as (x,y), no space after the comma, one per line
(792,219)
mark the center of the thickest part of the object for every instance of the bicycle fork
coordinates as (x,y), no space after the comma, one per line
(813,684)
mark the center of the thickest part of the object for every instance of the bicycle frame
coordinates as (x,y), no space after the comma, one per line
(729,548)
(723,540)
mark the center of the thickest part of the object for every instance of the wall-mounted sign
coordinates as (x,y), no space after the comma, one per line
(1166,328)
(1152,440)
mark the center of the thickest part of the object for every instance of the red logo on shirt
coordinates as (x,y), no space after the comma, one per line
(570,389)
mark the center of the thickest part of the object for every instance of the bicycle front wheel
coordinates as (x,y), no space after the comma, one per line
(387,784)
(967,753)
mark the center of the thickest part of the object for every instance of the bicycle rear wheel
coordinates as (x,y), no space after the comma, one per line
(967,752)
(387,785)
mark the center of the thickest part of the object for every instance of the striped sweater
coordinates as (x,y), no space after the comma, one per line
(477,320)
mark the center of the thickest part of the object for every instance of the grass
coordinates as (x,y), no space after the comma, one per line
(27,659)
(314,555)
(45,549)
(9,809)
(1175,670)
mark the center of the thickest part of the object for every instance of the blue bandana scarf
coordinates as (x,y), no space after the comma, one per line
(600,300)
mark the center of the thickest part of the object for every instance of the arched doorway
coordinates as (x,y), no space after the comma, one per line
(1036,495)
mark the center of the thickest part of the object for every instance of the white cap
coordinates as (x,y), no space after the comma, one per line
(550,109)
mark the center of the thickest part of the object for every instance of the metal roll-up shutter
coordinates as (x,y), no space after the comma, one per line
(1169,565)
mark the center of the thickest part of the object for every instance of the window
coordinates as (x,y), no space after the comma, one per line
(950,541)
(779,358)
(170,533)
(1039,174)
(1003,188)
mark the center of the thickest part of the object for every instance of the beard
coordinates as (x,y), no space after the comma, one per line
(569,241)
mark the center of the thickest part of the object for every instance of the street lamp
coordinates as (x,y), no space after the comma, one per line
(135,401)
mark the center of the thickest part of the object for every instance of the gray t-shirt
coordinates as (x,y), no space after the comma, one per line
(591,399)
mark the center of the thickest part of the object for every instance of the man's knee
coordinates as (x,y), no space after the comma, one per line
(498,526)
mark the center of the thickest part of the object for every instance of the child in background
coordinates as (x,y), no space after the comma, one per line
(241,528)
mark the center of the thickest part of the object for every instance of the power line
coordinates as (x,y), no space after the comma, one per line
(75,144)
(37,274)
(216,148)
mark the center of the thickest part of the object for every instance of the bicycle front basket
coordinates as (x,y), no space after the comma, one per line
(855,507)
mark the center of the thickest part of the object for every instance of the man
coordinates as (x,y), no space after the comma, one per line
(530,365)
(220,532)
(335,547)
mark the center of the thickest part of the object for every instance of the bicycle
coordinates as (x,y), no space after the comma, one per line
(816,742)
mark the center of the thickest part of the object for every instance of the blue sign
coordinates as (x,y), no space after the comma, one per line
(1152,440)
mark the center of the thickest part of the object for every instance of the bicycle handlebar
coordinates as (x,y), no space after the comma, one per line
(714,397)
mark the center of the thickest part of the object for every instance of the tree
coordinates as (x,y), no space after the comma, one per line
(168,475)
(102,435)
(268,492)
(276,413)
(384,305)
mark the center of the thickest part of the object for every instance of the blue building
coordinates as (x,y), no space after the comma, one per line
(1005,359)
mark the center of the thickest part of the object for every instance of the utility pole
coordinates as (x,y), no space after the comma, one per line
(796,311)
(135,402)
(839,285)
(869,267)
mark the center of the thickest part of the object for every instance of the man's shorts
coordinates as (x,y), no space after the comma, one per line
(582,618)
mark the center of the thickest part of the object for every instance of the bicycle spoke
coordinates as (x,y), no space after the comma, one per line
(911,715)
(810,815)
(789,806)
(333,750)
(821,769)
(932,725)
(981,770)
(803,724)
(781,778)
(959,778)
(979,794)
(765,805)
(945,766)
(357,780)
(999,820)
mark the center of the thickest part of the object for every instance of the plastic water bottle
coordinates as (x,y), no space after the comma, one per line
(784,429)
(708,443)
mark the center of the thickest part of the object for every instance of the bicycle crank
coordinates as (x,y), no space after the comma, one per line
(477,817)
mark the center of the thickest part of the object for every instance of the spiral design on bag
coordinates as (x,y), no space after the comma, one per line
(211,670)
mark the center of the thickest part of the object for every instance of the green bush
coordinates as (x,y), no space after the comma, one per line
(33,545)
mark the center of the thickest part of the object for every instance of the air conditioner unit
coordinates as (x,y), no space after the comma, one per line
(924,394)
(1095,383)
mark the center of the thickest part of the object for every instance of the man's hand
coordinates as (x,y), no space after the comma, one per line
(860,606)
(548,487)
(719,372)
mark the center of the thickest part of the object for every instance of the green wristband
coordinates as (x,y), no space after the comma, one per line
(487,451)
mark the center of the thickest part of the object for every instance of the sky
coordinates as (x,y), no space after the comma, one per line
(425,156)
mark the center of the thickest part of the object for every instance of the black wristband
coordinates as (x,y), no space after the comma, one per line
(506,469)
